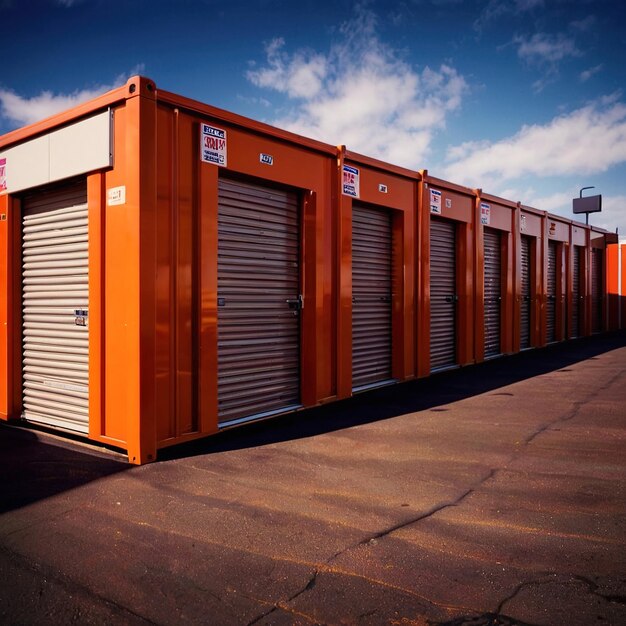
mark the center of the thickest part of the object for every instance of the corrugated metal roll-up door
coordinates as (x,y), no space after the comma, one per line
(551,294)
(371,296)
(596,290)
(493,291)
(525,294)
(55,299)
(258,300)
(443,296)
(576,293)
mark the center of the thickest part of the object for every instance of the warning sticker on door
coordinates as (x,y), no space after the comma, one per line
(485,213)
(213,145)
(435,201)
(3,174)
(351,181)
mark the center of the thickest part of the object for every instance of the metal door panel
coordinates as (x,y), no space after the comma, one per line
(55,272)
(525,293)
(371,295)
(551,294)
(493,291)
(443,296)
(258,272)
(596,290)
(576,293)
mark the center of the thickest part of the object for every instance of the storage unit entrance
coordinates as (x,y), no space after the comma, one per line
(493,291)
(258,299)
(597,277)
(443,294)
(371,296)
(551,293)
(525,291)
(577,297)
(55,298)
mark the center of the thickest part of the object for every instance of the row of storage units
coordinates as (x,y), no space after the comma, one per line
(169,269)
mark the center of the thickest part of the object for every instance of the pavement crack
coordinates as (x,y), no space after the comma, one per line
(429,513)
(594,588)
(281,603)
(518,589)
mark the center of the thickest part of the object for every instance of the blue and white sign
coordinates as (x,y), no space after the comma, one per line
(350,181)
(435,201)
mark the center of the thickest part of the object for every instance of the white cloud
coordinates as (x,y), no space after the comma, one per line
(362,94)
(589,140)
(20,110)
(543,48)
(588,73)
(613,214)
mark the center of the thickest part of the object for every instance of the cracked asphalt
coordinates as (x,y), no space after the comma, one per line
(490,495)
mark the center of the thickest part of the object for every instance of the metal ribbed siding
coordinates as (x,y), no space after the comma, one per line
(55,271)
(525,297)
(371,296)
(551,294)
(258,271)
(576,292)
(443,295)
(596,290)
(493,291)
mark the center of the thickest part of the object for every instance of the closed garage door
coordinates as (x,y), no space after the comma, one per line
(55,298)
(371,296)
(525,294)
(493,291)
(258,300)
(576,293)
(551,294)
(596,290)
(443,295)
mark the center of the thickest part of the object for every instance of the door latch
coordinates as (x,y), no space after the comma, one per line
(296,304)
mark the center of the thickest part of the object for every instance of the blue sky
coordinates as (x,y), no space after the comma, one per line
(523,98)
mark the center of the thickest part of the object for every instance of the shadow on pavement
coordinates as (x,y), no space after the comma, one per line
(410,397)
(33,469)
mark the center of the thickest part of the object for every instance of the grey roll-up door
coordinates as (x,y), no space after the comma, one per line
(525,294)
(443,296)
(371,296)
(258,300)
(55,300)
(493,291)
(596,290)
(551,294)
(576,293)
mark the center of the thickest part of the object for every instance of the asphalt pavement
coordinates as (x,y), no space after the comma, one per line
(488,495)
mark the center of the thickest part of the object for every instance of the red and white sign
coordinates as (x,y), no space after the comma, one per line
(485,213)
(212,145)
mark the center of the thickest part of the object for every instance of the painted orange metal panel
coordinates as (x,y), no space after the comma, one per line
(578,235)
(207,298)
(96,208)
(557,230)
(612,280)
(623,285)
(530,224)
(465,277)
(6,273)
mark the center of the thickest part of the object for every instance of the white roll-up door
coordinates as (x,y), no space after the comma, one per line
(55,330)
